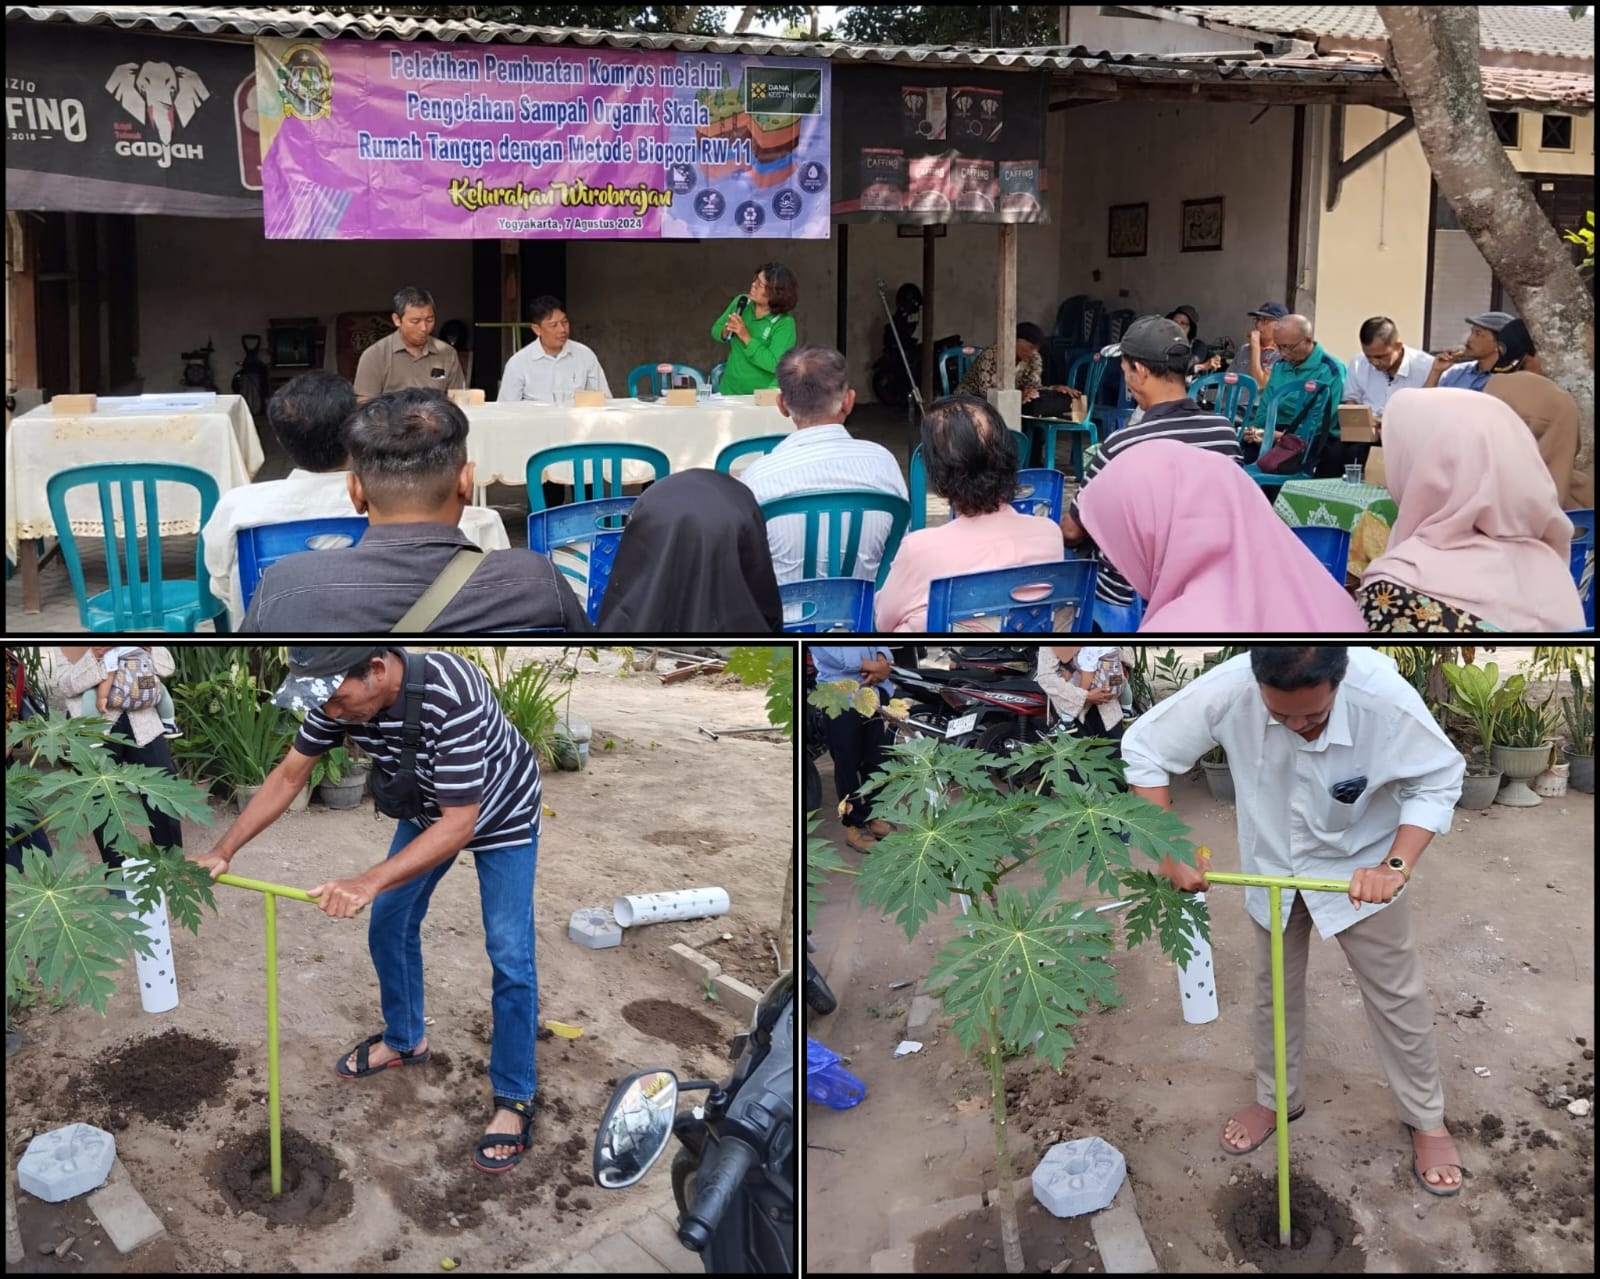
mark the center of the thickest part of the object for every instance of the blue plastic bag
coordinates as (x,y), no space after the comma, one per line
(827,1081)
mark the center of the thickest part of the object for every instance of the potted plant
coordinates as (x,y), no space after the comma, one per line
(1478,698)
(1219,778)
(340,777)
(1522,744)
(234,734)
(1578,713)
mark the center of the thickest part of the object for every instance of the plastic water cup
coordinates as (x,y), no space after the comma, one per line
(1352,473)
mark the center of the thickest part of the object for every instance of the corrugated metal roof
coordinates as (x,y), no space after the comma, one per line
(1502,28)
(1181,71)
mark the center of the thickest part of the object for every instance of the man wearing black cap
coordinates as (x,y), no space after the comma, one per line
(449,765)
(1496,343)
(1155,354)
(1261,350)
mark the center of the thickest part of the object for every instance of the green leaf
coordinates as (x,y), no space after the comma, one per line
(919,772)
(1160,908)
(834,697)
(821,859)
(1070,761)
(913,871)
(1032,960)
(773,667)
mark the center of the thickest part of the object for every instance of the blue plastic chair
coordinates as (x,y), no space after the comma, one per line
(835,554)
(1583,560)
(1235,394)
(731,453)
(1118,619)
(596,469)
(600,524)
(828,604)
(918,485)
(1085,374)
(1330,545)
(959,356)
(716,374)
(1314,419)
(260,547)
(140,597)
(1039,487)
(995,594)
(643,377)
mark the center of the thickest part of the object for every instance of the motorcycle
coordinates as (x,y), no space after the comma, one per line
(896,372)
(734,1177)
(997,712)
(819,999)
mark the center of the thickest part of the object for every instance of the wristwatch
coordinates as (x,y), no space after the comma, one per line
(1398,863)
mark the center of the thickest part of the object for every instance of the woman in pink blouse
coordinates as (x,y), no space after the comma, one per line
(972,463)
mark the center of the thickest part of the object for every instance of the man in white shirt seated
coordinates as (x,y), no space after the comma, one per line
(1385,365)
(551,368)
(308,416)
(819,456)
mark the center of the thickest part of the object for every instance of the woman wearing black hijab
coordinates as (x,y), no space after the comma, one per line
(693,560)
(1188,319)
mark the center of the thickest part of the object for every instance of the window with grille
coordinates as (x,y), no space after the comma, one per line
(1506,128)
(1555,133)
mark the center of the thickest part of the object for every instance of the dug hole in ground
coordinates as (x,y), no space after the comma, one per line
(389,1184)
(1504,907)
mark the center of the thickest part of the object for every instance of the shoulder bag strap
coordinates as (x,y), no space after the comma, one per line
(421,615)
(416,692)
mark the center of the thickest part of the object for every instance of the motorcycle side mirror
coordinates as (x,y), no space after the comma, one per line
(635,1129)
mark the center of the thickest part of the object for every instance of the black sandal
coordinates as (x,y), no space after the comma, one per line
(488,1163)
(363,1051)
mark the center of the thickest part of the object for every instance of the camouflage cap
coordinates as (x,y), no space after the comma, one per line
(316,673)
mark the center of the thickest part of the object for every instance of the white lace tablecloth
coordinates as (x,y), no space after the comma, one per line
(217,436)
(501,437)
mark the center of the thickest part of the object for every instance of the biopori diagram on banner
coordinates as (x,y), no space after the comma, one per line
(383,141)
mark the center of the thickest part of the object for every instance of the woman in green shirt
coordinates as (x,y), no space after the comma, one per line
(758,327)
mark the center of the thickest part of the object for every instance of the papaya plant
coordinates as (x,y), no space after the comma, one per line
(65,932)
(1025,965)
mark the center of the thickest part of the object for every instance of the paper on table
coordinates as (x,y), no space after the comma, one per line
(176,402)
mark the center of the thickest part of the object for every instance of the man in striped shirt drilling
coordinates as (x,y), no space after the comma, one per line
(1155,356)
(476,789)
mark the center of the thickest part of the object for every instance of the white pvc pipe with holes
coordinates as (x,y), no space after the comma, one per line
(658,908)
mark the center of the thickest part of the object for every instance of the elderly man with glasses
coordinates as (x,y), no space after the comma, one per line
(1301,359)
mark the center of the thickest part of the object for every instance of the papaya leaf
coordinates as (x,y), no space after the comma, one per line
(1161,909)
(833,698)
(913,870)
(919,772)
(1070,761)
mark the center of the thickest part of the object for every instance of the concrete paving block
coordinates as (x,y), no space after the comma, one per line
(595,927)
(695,966)
(737,998)
(1076,1177)
(123,1213)
(65,1162)
(1124,1250)
(661,1242)
(619,1255)
(14,1250)
(581,1264)
(924,1008)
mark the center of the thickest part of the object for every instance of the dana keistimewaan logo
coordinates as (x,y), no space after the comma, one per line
(163,98)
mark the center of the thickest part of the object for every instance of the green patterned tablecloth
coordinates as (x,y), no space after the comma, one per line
(1365,510)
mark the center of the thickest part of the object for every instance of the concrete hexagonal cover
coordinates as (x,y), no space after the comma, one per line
(66,1161)
(1076,1177)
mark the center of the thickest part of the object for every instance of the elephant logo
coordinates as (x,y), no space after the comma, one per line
(158,95)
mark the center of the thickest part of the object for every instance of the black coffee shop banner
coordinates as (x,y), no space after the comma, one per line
(930,146)
(100,122)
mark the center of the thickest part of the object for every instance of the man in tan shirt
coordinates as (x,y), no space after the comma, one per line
(411,355)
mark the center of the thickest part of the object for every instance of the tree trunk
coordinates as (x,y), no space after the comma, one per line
(747,15)
(816,18)
(1010,1235)
(1434,56)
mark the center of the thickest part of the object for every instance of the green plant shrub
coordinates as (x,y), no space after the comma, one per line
(1479,697)
(1577,712)
(233,733)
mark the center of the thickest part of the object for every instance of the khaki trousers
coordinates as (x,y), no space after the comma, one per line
(1382,954)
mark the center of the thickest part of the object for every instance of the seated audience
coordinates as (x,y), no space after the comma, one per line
(410,356)
(1201,360)
(1301,359)
(983,376)
(1260,351)
(1385,365)
(819,456)
(308,417)
(693,560)
(1154,354)
(1195,537)
(410,477)
(553,366)
(1496,342)
(971,460)
(1085,689)
(1480,542)
(1552,415)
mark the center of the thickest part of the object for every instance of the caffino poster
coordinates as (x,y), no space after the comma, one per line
(926,146)
(393,140)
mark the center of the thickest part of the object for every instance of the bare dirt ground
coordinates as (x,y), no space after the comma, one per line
(383,1174)
(1505,914)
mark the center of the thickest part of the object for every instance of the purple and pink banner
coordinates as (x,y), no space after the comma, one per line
(395,141)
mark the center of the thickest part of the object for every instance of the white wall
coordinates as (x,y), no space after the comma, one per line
(1162,154)
(216,278)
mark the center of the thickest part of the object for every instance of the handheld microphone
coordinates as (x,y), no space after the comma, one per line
(739,304)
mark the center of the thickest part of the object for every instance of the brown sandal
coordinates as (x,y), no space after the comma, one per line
(1432,1151)
(1257,1121)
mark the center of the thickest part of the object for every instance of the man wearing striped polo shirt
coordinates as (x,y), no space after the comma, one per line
(476,788)
(1155,357)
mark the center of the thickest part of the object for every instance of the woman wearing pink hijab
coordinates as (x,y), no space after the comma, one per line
(1480,543)
(1199,541)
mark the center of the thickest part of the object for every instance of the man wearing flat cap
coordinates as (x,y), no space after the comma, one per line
(456,775)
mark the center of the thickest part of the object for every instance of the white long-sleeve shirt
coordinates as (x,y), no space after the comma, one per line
(534,374)
(1289,822)
(1366,385)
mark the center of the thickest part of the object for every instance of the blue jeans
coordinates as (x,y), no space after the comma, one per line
(505,889)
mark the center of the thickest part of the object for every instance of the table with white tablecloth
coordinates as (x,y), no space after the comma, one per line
(213,433)
(501,437)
